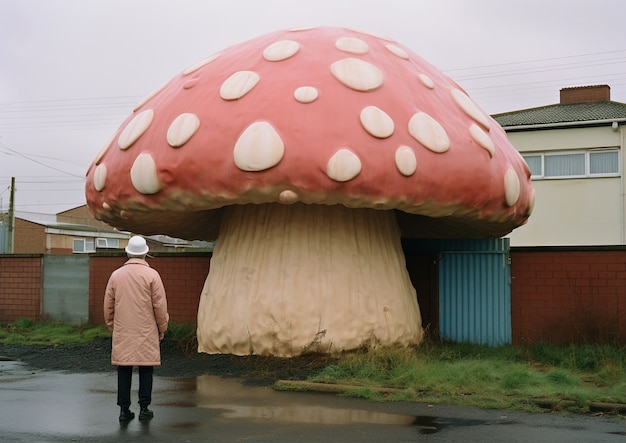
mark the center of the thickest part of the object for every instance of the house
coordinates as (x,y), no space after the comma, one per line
(75,231)
(69,232)
(575,153)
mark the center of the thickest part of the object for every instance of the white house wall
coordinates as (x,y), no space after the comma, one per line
(570,212)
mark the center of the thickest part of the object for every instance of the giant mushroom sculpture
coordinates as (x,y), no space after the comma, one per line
(296,150)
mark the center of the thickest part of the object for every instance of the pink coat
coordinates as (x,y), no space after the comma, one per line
(135,309)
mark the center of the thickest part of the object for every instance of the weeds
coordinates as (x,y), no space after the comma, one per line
(503,377)
(184,334)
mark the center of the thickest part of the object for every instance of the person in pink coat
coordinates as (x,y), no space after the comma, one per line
(135,310)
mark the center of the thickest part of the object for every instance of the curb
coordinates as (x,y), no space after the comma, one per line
(594,406)
(298,385)
(545,403)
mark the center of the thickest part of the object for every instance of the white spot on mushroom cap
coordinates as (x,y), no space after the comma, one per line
(511,187)
(398,51)
(302,28)
(482,138)
(258,148)
(377,122)
(344,165)
(182,129)
(100,177)
(429,132)
(426,81)
(470,108)
(357,74)
(147,99)
(306,94)
(405,160)
(201,63)
(352,44)
(288,197)
(143,175)
(106,206)
(372,34)
(281,50)
(238,85)
(135,128)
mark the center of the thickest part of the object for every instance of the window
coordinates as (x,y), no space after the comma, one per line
(535,163)
(574,164)
(564,165)
(107,243)
(604,163)
(83,245)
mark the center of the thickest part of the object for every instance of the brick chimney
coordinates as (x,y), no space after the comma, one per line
(585,94)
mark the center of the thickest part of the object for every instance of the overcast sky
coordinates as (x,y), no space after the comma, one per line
(72,70)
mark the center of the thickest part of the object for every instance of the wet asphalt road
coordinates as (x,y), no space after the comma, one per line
(42,406)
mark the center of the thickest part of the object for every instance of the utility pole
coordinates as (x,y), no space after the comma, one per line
(11,216)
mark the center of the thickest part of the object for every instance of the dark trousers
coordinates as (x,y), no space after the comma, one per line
(124,381)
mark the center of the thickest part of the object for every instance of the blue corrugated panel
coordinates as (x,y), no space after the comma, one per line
(475,292)
(4,234)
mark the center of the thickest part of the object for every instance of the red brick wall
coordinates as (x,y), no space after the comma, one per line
(558,295)
(562,296)
(20,287)
(183,278)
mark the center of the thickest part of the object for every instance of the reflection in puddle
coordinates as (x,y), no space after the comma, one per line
(259,403)
(287,411)
(311,414)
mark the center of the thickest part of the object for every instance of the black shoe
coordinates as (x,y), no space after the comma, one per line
(126,415)
(145,414)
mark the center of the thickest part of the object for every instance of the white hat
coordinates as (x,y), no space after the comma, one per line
(137,246)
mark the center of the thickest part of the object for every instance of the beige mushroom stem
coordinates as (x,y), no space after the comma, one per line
(291,279)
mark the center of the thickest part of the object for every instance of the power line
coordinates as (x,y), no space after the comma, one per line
(536,60)
(19,154)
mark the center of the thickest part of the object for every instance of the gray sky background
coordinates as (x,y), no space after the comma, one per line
(72,70)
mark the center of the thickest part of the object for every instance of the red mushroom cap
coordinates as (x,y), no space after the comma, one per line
(318,116)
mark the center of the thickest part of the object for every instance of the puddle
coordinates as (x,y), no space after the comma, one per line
(230,401)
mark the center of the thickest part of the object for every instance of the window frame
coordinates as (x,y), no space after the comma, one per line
(587,167)
(84,242)
(109,243)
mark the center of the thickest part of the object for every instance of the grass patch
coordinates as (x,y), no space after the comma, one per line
(504,377)
(26,332)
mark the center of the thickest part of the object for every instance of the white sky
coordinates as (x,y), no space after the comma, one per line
(72,70)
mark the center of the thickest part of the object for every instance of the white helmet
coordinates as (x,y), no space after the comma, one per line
(137,246)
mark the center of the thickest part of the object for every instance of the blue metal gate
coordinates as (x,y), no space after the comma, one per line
(474,288)
(475,292)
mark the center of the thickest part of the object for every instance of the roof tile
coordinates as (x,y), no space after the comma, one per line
(554,114)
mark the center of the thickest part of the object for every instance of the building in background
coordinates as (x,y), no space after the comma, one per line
(575,152)
(75,231)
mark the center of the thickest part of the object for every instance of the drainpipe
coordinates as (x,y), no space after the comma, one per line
(608,122)
(11,217)
(623,182)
